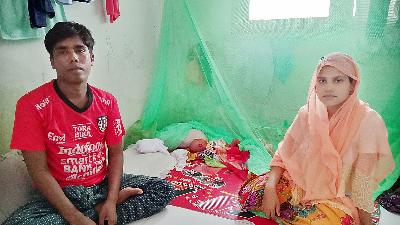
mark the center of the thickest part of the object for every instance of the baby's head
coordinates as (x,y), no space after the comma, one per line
(195,141)
(336,79)
(197,145)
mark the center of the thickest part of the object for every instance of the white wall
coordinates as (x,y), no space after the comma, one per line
(124,56)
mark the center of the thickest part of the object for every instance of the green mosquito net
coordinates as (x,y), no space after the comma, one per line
(232,77)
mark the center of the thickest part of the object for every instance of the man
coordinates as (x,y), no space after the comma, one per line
(62,129)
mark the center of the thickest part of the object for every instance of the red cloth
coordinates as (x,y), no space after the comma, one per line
(233,154)
(212,191)
(241,173)
(74,141)
(236,159)
(112,9)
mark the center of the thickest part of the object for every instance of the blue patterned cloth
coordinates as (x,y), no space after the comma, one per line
(390,199)
(39,10)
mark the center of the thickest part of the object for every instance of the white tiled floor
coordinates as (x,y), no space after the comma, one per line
(178,216)
(388,218)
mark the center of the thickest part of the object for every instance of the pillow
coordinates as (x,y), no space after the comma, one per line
(15,184)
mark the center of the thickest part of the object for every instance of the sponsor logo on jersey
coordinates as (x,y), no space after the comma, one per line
(82,131)
(83,160)
(102,123)
(105,101)
(84,149)
(118,127)
(43,103)
(58,139)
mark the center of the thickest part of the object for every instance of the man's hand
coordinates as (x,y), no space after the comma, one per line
(108,212)
(107,209)
(271,202)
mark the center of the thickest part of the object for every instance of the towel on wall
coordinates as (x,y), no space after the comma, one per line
(14,20)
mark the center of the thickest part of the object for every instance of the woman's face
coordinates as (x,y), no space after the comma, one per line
(333,87)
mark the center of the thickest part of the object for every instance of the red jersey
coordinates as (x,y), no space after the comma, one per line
(74,139)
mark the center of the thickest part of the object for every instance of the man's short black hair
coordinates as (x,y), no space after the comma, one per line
(64,30)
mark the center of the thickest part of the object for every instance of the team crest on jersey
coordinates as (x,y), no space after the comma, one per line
(102,123)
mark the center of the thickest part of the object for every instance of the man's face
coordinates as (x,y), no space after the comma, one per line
(72,61)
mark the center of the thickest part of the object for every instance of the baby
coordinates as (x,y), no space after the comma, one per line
(195,141)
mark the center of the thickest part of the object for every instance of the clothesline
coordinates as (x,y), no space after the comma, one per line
(36,17)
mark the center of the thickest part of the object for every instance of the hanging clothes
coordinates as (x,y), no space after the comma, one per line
(112,9)
(14,20)
(38,12)
(64,2)
(87,1)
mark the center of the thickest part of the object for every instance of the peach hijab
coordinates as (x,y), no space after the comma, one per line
(315,149)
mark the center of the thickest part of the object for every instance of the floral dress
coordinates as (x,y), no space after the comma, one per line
(252,192)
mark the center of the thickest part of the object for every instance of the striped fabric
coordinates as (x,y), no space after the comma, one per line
(219,202)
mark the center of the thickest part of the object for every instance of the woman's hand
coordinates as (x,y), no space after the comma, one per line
(365,217)
(271,205)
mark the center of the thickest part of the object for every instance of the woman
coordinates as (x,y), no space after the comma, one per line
(332,157)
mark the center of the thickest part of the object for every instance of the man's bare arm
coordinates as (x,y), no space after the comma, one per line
(115,164)
(36,164)
(107,210)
